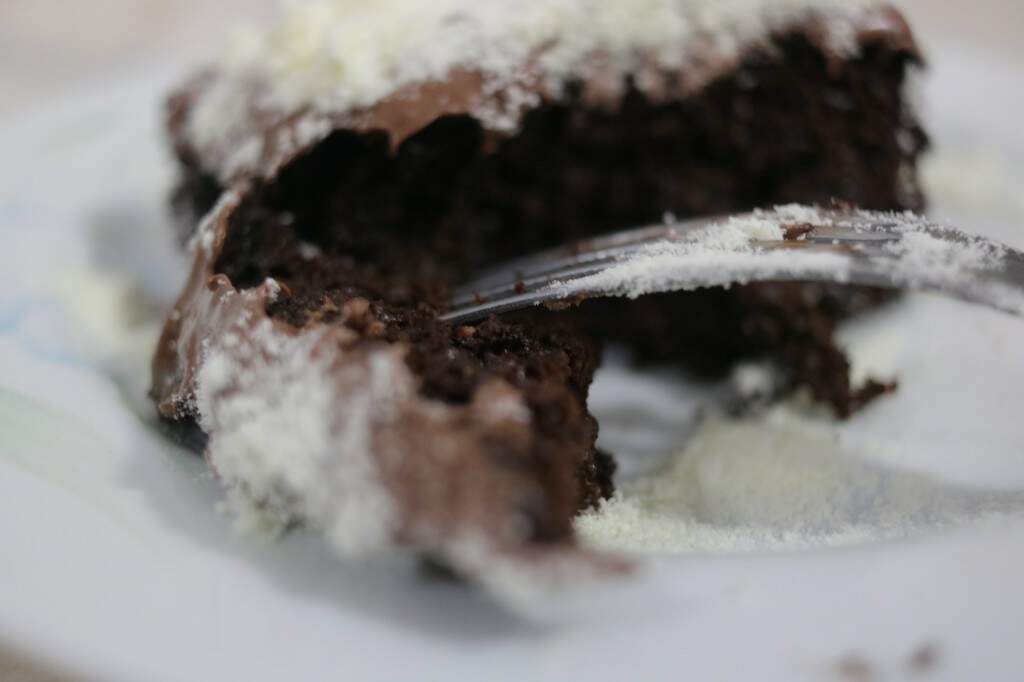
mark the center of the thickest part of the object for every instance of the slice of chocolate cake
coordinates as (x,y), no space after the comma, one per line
(369,159)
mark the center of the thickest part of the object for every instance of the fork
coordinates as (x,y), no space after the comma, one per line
(787,243)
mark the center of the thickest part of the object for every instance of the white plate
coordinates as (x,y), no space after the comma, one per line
(116,565)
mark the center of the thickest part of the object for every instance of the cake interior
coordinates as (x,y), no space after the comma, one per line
(358,233)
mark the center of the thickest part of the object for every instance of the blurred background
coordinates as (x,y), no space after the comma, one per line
(50,46)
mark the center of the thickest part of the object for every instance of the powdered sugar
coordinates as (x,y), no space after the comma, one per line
(679,267)
(776,481)
(285,435)
(722,254)
(342,54)
(926,256)
(541,585)
(950,260)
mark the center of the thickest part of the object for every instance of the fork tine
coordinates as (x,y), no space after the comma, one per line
(578,259)
(588,249)
(563,262)
(569,269)
(543,272)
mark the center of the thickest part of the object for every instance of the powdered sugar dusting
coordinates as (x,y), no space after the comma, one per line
(957,262)
(777,481)
(722,254)
(285,435)
(927,256)
(341,54)
(541,585)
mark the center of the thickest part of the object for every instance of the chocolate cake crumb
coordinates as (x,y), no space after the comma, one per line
(792,233)
(709,331)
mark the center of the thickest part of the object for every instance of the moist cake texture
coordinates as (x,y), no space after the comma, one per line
(359,184)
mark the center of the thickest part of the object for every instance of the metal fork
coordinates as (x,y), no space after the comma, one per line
(897,250)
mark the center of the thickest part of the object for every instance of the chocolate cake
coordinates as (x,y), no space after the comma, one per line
(354,165)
